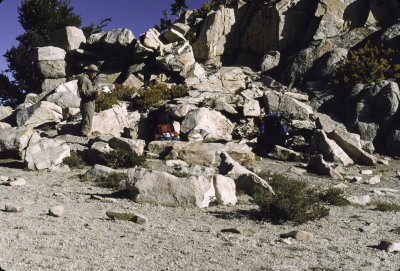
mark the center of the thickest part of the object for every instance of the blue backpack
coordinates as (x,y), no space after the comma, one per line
(272,132)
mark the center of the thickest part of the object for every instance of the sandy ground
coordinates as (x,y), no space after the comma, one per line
(84,238)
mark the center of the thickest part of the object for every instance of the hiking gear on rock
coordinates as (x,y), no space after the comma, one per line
(161,124)
(272,132)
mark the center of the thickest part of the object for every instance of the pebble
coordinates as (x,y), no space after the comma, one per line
(341,186)
(107,200)
(172,163)
(374,180)
(139,219)
(246,232)
(390,245)
(3,178)
(56,211)
(366,172)
(383,161)
(298,235)
(353,179)
(360,200)
(13,208)
(17,182)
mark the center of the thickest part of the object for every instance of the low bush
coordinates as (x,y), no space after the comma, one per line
(385,206)
(206,8)
(74,161)
(121,93)
(293,200)
(367,64)
(334,196)
(122,159)
(156,93)
(111,180)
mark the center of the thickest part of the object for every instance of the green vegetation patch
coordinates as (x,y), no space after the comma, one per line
(74,161)
(334,196)
(123,159)
(293,201)
(121,93)
(367,64)
(385,206)
(206,8)
(112,180)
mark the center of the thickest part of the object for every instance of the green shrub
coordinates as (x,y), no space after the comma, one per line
(385,206)
(206,8)
(112,180)
(334,196)
(122,159)
(121,93)
(152,96)
(74,161)
(293,200)
(368,64)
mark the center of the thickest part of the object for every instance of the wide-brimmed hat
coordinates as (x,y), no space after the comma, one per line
(92,67)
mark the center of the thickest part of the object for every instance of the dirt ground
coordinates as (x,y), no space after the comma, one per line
(84,238)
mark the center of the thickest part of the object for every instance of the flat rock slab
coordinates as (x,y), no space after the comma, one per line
(201,153)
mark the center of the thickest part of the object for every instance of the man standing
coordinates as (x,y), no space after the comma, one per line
(88,97)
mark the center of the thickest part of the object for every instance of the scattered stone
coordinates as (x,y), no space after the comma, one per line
(318,164)
(353,179)
(359,200)
(13,208)
(56,211)
(107,200)
(366,172)
(385,190)
(285,154)
(173,163)
(390,245)
(298,235)
(383,161)
(340,186)
(246,232)
(4,178)
(139,219)
(374,180)
(17,182)
(225,189)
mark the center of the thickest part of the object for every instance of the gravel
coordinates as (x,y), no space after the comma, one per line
(213,238)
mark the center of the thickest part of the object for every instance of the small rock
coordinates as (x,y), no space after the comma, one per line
(288,241)
(246,232)
(173,163)
(383,161)
(298,235)
(139,219)
(385,190)
(354,179)
(107,200)
(366,172)
(360,200)
(374,180)
(56,211)
(340,186)
(390,245)
(13,208)
(3,178)
(17,182)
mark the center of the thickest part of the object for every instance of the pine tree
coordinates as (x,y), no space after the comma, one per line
(38,18)
(178,7)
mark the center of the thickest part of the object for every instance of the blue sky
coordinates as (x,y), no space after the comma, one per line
(136,15)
